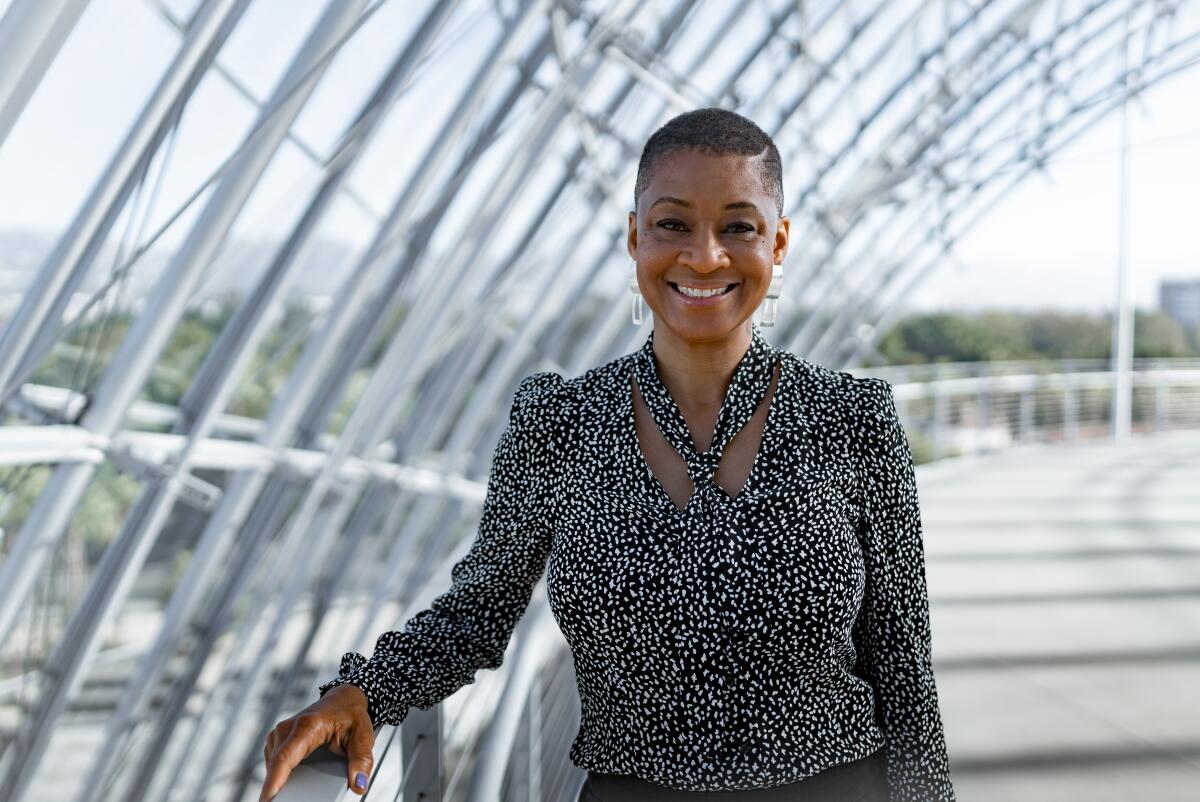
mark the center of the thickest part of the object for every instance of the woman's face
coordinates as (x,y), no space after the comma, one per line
(705,222)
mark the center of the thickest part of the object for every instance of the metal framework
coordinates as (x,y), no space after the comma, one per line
(501,253)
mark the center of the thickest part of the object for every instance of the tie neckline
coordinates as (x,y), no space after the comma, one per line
(746,390)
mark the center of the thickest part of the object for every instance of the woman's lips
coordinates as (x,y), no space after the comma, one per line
(703,303)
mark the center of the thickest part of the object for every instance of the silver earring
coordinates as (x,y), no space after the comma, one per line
(636,292)
(770,303)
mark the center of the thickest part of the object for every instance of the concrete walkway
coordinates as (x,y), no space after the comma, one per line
(1065,603)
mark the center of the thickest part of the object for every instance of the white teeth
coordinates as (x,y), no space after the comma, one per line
(692,292)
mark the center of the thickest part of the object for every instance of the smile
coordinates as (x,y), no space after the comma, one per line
(701,292)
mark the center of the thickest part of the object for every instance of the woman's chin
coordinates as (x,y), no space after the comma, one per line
(702,326)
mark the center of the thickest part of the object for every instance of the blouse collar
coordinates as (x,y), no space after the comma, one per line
(746,390)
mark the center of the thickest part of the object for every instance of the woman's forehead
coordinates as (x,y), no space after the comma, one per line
(703,175)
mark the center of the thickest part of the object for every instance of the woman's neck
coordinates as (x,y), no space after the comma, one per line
(697,375)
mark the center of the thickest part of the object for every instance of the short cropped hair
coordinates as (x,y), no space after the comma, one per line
(714,130)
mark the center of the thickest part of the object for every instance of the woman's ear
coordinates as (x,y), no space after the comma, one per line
(782,232)
(631,239)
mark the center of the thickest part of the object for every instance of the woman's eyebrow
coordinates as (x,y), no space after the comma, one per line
(681,202)
(669,199)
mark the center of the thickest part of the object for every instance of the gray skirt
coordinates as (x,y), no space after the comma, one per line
(862,780)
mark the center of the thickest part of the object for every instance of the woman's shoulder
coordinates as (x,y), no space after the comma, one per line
(836,386)
(549,402)
(840,393)
(550,391)
(541,395)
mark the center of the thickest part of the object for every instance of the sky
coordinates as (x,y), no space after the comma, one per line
(1054,241)
(1051,243)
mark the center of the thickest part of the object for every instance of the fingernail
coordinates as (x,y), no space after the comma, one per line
(360,781)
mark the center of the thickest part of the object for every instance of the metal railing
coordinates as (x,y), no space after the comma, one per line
(516,749)
(407,766)
(951,409)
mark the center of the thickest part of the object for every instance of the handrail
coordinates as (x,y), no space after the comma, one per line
(416,774)
(320,777)
(989,411)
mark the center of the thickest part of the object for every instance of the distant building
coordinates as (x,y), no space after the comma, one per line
(1181,300)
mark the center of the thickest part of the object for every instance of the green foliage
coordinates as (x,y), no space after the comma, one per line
(99,516)
(183,356)
(271,364)
(1003,335)
(1157,335)
(78,361)
(1061,335)
(356,385)
(108,498)
(920,446)
(19,489)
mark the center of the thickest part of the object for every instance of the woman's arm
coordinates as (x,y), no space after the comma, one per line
(469,626)
(892,634)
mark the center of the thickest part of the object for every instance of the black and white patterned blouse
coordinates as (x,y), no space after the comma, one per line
(741,643)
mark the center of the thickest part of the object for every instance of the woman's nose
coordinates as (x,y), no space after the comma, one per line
(704,252)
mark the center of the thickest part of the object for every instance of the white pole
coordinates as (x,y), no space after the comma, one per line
(1123,321)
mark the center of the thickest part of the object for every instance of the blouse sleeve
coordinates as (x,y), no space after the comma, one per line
(892,634)
(468,627)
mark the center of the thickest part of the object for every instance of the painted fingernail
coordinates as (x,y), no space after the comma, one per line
(360,781)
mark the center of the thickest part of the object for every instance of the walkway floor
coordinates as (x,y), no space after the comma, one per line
(1065,605)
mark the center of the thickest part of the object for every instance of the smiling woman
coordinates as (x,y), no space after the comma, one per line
(729,534)
(707,230)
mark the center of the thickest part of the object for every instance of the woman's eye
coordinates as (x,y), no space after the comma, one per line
(675,225)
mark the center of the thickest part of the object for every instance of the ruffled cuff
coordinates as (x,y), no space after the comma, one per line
(354,671)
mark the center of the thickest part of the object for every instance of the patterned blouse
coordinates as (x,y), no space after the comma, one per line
(743,642)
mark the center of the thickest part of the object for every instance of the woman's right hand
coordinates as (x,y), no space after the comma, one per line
(338,719)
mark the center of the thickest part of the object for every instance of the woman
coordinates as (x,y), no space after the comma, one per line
(730,536)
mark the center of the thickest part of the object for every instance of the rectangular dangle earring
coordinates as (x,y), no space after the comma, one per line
(636,292)
(769,308)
